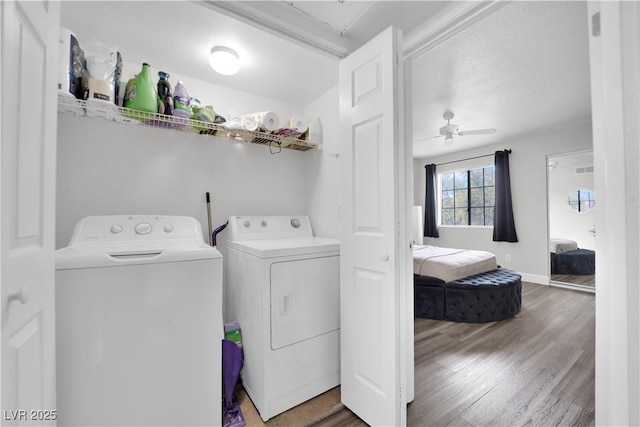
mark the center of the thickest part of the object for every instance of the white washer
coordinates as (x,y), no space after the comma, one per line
(283,287)
(138,324)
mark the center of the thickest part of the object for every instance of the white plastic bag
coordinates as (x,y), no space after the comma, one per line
(101,64)
(101,60)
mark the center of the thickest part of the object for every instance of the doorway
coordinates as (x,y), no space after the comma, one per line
(571,202)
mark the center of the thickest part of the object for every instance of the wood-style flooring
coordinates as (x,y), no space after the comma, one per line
(534,369)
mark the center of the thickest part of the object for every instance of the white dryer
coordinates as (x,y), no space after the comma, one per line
(138,324)
(283,287)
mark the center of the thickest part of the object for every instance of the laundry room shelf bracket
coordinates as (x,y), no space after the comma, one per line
(111,112)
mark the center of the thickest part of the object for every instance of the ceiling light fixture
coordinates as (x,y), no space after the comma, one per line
(224,60)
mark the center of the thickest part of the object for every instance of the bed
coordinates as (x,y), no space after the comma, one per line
(463,286)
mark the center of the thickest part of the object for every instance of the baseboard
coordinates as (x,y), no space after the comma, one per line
(535,278)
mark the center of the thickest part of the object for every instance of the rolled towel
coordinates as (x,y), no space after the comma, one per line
(298,122)
(242,122)
(267,120)
(249,123)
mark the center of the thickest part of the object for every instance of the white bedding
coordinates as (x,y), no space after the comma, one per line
(558,246)
(451,264)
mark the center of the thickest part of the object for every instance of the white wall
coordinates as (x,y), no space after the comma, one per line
(323,172)
(528,166)
(564,222)
(110,168)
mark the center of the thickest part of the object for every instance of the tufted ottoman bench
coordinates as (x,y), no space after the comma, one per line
(485,297)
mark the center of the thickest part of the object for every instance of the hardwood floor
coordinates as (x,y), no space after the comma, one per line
(534,369)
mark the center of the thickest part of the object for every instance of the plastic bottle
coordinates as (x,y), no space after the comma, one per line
(129,90)
(116,79)
(142,94)
(181,101)
(165,93)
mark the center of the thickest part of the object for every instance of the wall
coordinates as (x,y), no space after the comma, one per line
(564,222)
(528,166)
(323,171)
(112,168)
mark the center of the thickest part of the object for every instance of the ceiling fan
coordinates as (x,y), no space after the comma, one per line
(451,129)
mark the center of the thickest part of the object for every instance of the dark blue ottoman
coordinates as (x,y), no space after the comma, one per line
(576,262)
(485,297)
(428,297)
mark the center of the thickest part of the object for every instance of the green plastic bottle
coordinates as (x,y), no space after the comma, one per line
(141,94)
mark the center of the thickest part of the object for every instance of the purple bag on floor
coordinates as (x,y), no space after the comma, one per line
(232,360)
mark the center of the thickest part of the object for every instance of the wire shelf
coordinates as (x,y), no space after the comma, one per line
(111,112)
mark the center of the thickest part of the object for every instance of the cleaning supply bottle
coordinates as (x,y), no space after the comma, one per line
(129,89)
(165,93)
(141,93)
(181,101)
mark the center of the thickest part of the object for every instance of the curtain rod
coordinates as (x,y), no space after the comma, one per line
(469,158)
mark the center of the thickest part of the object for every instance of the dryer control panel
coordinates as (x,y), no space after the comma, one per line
(269,227)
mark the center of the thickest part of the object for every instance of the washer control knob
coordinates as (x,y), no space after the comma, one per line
(295,223)
(246,224)
(143,228)
(116,228)
(168,228)
(263,223)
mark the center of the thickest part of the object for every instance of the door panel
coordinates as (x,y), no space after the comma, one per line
(366,166)
(368,285)
(28,93)
(26,350)
(373,358)
(305,299)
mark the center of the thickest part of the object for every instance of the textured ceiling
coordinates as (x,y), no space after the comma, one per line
(523,69)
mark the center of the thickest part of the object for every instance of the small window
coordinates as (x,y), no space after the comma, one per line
(467,197)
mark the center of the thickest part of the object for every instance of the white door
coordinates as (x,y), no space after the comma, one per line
(374,243)
(29,120)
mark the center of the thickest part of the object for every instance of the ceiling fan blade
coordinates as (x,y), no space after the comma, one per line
(428,138)
(477,132)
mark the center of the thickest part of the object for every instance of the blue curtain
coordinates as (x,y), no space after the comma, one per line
(430,225)
(504,228)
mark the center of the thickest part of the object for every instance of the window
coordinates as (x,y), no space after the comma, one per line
(467,197)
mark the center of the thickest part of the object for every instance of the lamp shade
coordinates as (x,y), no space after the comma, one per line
(224,60)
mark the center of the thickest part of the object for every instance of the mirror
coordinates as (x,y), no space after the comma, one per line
(571,227)
(582,201)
